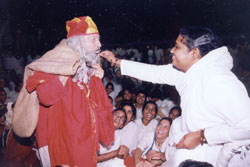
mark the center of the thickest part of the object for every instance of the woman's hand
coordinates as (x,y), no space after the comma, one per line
(123,152)
(155,155)
(155,158)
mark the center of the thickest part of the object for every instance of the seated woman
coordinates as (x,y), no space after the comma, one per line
(174,112)
(110,90)
(148,122)
(130,130)
(113,156)
(151,149)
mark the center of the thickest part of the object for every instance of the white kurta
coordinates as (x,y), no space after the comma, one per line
(130,136)
(138,113)
(212,98)
(145,129)
(114,162)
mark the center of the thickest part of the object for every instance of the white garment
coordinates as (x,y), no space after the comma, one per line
(117,86)
(138,113)
(44,156)
(212,98)
(200,153)
(150,56)
(145,129)
(9,115)
(137,55)
(159,54)
(12,96)
(164,106)
(235,154)
(130,136)
(114,162)
(7,90)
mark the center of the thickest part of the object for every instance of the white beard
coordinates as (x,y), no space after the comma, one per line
(85,71)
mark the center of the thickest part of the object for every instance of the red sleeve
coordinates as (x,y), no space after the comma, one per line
(48,87)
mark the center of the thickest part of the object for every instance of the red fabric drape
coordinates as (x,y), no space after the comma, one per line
(74,123)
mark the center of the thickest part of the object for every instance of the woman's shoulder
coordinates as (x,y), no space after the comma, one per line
(131,126)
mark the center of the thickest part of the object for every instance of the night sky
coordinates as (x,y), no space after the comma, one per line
(133,21)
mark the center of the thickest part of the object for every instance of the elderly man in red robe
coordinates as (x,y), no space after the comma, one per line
(65,100)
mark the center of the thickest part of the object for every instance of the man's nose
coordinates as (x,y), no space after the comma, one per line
(99,44)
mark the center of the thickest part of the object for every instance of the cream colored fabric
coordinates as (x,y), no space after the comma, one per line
(61,60)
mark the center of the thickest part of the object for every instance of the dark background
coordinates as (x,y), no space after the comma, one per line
(131,21)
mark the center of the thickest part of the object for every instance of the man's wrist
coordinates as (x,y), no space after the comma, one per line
(203,139)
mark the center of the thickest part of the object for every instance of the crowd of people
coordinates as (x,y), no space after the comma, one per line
(143,111)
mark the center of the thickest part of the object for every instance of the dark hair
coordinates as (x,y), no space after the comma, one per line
(125,90)
(110,83)
(191,163)
(166,118)
(155,93)
(200,37)
(150,102)
(121,109)
(128,103)
(175,108)
(142,92)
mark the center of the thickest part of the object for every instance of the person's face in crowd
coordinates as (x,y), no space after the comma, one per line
(91,43)
(183,58)
(118,118)
(174,114)
(3,97)
(129,113)
(149,112)
(162,129)
(109,89)
(140,98)
(127,95)
(118,74)
(118,100)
